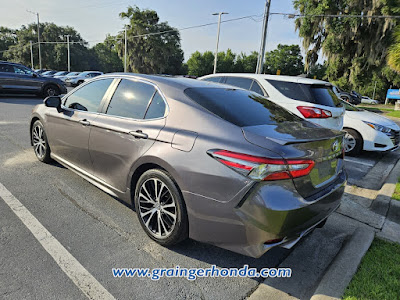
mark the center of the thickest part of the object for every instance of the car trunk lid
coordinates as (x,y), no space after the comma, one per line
(303,140)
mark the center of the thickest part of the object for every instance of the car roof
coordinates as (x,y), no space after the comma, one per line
(286,78)
(11,63)
(177,82)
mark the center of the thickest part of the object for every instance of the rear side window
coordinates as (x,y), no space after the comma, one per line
(255,87)
(6,68)
(156,108)
(242,108)
(88,97)
(130,100)
(318,94)
(244,83)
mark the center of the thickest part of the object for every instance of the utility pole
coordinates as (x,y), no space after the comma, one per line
(31,55)
(69,54)
(216,48)
(260,60)
(373,95)
(125,50)
(38,33)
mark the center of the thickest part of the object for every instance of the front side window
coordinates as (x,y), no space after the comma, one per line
(21,70)
(213,79)
(244,83)
(88,97)
(131,99)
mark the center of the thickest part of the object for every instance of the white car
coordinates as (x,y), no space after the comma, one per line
(368,131)
(310,99)
(368,100)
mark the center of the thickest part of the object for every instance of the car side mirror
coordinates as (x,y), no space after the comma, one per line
(53,101)
(34,75)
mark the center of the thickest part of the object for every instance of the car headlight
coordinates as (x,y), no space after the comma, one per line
(378,127)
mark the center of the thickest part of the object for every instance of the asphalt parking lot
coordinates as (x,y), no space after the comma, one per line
(98,231)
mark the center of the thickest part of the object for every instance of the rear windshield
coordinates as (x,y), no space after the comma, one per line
(240,107)
(318,94)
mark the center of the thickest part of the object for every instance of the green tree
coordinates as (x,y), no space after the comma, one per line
(226,62)
(200,64)
(54,55)
(107,56)
(246,63)
(8,38)
(154,53)
(318,71)
(355,48)
(286,58)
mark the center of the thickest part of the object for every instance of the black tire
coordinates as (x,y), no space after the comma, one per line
(345,98)
(51,90)
(151,212)
(38,135)
(353,142)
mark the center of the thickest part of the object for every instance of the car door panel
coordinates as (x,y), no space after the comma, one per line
(68,134)
(116,143)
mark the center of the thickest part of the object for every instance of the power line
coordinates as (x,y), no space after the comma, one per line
(294,15)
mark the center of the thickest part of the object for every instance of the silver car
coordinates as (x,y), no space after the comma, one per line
(81,77)
(196,159)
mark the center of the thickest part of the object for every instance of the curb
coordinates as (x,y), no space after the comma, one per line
(344,266)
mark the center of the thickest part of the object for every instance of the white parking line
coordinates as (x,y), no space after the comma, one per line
(71,267)
(356,161)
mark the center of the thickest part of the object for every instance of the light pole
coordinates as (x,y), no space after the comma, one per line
(260,60)
(31,55)
(125,50)
(69,54)
(38,33)
(216,49)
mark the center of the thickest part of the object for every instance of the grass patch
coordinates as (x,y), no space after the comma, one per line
(395,114)
(378,274)
(396,194)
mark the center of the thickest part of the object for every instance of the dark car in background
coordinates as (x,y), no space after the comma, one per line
(17,78)
(352,98)
(197,159)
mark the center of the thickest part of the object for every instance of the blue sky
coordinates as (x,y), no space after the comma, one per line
(96,18)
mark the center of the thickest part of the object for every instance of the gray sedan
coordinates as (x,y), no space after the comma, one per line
(196,159)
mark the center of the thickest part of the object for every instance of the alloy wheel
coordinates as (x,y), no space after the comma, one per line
(350,142)
(157,208)
(39,142)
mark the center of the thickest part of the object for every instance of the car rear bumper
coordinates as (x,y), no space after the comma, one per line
(270,214)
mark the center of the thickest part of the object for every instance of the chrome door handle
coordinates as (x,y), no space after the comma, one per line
(84,122)
(139,134)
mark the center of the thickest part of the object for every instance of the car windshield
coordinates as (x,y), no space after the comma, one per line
(60,73)
(313,93)
(240,107)
(350,107)
(73,74)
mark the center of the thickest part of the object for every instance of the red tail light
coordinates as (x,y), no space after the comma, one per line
(310,112)
(262,168)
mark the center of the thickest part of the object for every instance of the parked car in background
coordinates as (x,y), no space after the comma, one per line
(60,73)
(72,74)
(16,78)
(368,131)
(348,97)
(40,71)
(368,100)
(307,98)
(49,73)
(80,78)
(197,159)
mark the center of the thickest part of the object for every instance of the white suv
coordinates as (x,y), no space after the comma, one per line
(310,99)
